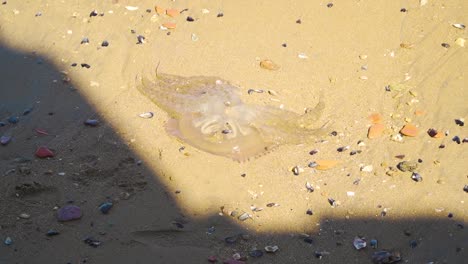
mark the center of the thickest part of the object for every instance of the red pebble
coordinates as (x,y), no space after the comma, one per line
(212,259)
(44,152)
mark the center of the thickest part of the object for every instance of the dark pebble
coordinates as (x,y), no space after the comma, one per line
(330,5)
(148,10)
(13,119)
(256,253)
(413,243)
(465,188)
(93,13)
(416,177)
(403,10)
(243,175)
(465,140)
(354,152)
(331,201)
(105,43)
(441,146)
(140,39)
(445,45)
(2,124)
(4,2)
(387,88)
(38,14)
(85,65)
(308,240)
(231,239)
(420,160)
(459,122)
(132,31)
(84,41)
(91,122)
(27,111)
(334,133)
(190,19)
(92,242)
(313,152)
(298,21)
(220,15)
(432,132)
(318,254)
(68,213)
(52,232)
(74,64)
(309,212)
(450,215)
(312,164)
(341,149)
(456,139)
(105,207)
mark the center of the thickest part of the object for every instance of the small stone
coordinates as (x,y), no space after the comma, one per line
(309,212)
(13,119)
(44,152)
(299,21)
(460,42)
(92,242)
(296,170)
(244,216)
(309,187)
(460,122)
(416,177)
(140,39)
(24,216)
(190,19)
(256,253)
(93,13)
(373,243)
(85,41)
(146,115)
(91,122)
(409,130)
(456,139)
(271,249)
(105,43)
(313,152)
(445,45)
(407,166)
(69,213)
(332,202)
(231,239)
(269,65)
(330,5)
(359,243)
(52,232)
(341,149)
(326,164)
(459,26)
(4,140)
(434,133)
(85,65)
(308,240)
(302,56)
(368,168)
(8,241)
(465,188)
(105,207)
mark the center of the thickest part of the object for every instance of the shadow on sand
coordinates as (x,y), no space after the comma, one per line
(145,225)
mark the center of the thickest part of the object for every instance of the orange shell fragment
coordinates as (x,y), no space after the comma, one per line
(169,25)
(172,12)
(326,164)
(375,131)
(409,130)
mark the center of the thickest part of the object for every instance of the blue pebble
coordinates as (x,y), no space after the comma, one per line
(105,207)
(13,119)
(8,241)
(92,122)
(27,111)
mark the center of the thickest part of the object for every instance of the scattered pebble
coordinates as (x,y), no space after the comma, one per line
(313,152)
(105,43)
(146,115)
(465,188)
(4,140)
(386,257)
(373,243)
(13,119)
(190,19)
(91,122)
(44,152)
(140,39)
(416,177)
(69,213)
(105,207)
(212,259)
(24,216)
(271,249)
(330,5)
(407,166)
(220,15)
(256,253)
(309,187)
(244,216)
(84,41)
(93,13)
(309,212)
(409,130)
(359,243)
(445,45)
(368,168)
(460,122)
(131,8)
(456,139)
(85,65)
(460,42)
(52,232)
(8,241)
(434,133)
(302,56)
(92,242)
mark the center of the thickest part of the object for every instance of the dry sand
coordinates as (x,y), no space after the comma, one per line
(164,207)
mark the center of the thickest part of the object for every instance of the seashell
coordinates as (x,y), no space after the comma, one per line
(146,115)
(271,249)
(359,243)
(269,65)
(44,152)
(458,25)
(309,187)
(409,130)
(131,8)
(244,216)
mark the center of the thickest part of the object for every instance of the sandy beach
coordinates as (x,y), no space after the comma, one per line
(387,182)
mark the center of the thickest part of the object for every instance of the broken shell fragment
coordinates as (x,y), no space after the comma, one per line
(146,115)
(169,25)
(44,152)
(416,177)
(459,26)
(309,187)
(375,131)
(409,130)
(269,65)
(271,249)
(359,243)
(244,217)
(460,42)
(172,12)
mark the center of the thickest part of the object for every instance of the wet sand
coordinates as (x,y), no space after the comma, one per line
(173,203)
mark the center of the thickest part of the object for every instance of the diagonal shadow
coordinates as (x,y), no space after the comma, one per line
(146,225)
